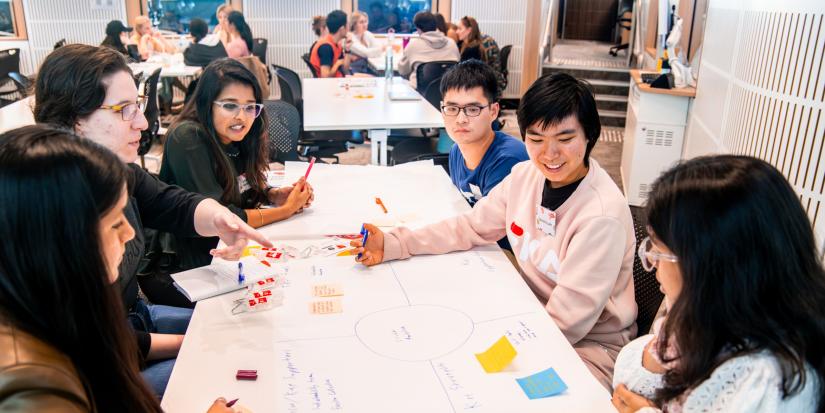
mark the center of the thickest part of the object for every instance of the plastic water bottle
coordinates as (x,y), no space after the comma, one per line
(388,55)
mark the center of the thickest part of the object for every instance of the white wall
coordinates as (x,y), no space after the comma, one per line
(761,92)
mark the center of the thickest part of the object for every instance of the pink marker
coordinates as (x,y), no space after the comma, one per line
(311,162)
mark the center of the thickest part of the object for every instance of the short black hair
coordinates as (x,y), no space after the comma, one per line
(198,29)
(336,19)
(470,74)
(425,21)
(553,98)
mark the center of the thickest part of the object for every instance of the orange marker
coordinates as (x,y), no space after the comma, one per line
(379,202)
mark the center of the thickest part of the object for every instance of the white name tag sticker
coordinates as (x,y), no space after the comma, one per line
(546,220)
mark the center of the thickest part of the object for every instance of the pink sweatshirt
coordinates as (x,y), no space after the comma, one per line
(583,274)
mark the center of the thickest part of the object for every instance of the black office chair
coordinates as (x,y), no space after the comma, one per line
(622,23)
(290,84)
(284,130)
(440,159)
(504,58)
(425,73)
(22,83)
(152,114)
(9,63)
(259,46)
(305,58)
(411,148)
(645,285)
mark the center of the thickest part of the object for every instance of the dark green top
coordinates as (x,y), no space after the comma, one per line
(188,161)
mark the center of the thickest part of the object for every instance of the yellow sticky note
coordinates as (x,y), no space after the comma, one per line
(247,251)
(326,306)
(327,290)
(498,356)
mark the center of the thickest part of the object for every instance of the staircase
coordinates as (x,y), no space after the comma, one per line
(610,86)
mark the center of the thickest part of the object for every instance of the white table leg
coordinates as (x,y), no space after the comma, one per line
(378,146)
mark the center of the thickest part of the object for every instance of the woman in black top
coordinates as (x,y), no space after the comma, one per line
(218,148)
(90,90)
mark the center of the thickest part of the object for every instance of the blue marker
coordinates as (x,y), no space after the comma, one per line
(365,233)
(240,273)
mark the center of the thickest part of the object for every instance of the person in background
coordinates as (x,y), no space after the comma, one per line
(149,40)
(63,344)
(445,27)
(328,56)
(473,45)
(98,99)
(218,148)
(568,223)
(737,260)
(364,45)
(204,48)
(431,45)
(319,27)
(377,20)
(222,28)
(116,37)
(240,36)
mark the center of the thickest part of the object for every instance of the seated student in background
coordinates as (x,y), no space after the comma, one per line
(567,221)
(445,27)
(98,99)
(364,45)
(239,35)
(328,57)
(116,37)
(319,27)
(474,45)
(205,48)
(744,286)
(63,344)
(430,46)
(149,40)
(222,28)
(481,157)
(218,148)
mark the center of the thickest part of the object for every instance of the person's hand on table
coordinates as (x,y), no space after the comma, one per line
(626,401)
(219,406)
(373,252)
(300,196)
(235,234)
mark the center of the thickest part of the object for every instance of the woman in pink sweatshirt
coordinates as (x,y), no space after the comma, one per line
(569,225)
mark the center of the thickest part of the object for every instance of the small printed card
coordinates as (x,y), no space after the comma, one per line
(327,290)
(326,306)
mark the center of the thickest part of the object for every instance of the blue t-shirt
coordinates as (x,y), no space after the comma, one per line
(504,152)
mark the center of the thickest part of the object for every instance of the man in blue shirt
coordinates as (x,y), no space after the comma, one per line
(481,157)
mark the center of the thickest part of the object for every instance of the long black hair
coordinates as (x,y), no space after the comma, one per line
(70,83)
(237,19)
(54,282)
(114,42)
(752,279)
(253,148)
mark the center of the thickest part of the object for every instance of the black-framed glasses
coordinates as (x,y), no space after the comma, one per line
(128,111)
(469,110)
(250,109)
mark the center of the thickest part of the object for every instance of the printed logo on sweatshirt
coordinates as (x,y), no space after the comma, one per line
(524,245)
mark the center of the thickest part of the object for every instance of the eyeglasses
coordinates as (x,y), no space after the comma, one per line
(252,109)
(470,110)
(128,111)
(649,258)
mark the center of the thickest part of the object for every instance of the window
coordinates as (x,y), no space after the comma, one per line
(175,15)
(11,20)
(397,14)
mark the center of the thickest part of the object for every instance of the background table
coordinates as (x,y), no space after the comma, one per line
(17,114)
(406,339)
(362,103)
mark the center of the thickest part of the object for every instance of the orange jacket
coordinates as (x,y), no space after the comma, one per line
(315,60)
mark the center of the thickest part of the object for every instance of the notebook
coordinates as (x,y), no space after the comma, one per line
(220,277)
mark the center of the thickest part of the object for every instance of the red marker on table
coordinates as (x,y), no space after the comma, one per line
(231,403)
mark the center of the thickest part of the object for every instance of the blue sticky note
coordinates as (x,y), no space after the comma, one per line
(542,384)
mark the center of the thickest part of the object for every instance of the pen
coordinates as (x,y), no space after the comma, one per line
(240,273)
(381,203)
(363,240)
(231,403)
(309,168)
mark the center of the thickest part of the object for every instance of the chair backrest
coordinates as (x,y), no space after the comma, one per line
(284,129)
(440,159)
(305,58)
(23,84)
(429,71)
(152,112)
(259,46)
(9,62)
(645,285)
(432,93)
(134,53)
(60,43)
(504,56)
(290,84)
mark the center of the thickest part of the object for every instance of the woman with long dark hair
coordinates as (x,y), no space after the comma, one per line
(90,90)
(218,148)
(64,341)
(240,36)
(745,291)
